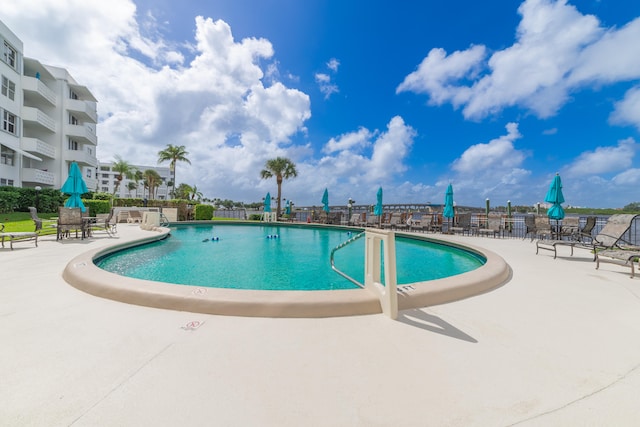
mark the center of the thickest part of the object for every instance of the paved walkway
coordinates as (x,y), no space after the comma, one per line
(556,346)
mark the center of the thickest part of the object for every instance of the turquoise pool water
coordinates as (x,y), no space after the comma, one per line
(250,257)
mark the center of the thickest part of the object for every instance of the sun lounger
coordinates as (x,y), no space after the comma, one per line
(620,257)
(610,237)
(494,226)
(463,225)
(134,216)
(17,236)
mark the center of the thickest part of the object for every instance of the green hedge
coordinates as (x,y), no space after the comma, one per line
(203,212)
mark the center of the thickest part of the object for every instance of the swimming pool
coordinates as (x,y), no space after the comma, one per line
(82,273)
(277,257)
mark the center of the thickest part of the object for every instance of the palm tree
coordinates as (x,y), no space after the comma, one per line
(281,168)
(194,193)
(124,169)
(132,186)
(173,154)
(152,180)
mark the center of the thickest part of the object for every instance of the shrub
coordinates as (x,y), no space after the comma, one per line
(203,212)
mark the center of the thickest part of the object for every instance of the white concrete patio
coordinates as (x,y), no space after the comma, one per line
(557,345)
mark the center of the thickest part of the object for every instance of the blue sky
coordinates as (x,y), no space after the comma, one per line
(494,97)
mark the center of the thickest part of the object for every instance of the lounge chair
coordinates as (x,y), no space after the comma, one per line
(106,222)
(463,225)
(17,236)
(423,223)
(620,257)
(610,237)
(355,219)
(134,216)
(394,220)
(39,222)
(494,226)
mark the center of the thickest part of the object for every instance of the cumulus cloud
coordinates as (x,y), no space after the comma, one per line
(557,50)
(627,111)
(604,160)
(491,170)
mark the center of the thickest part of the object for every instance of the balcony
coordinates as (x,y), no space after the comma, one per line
(84,110)
(35,116)
(38,147)
(82,157)
(37,176)
(82,133)
(35,88)
(92,184)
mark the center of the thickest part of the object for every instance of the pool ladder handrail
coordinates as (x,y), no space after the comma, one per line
(164,221)
(340,246)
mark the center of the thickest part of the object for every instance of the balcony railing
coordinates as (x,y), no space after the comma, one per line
(83,133)
(82,157)
(33,85)
(36,146)
(85,109)
(38,176)
(37,116)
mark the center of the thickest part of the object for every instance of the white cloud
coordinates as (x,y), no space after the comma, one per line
(333,65)
(360,138)
(557,50)
(604,160)
(628,177)
(627,111)
(491,170)
(498,154)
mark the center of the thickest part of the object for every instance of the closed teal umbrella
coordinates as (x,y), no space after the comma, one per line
(325,201)
(555,197)
(287,209)
(378,209)
(75,187)
(267,203)
(448,211)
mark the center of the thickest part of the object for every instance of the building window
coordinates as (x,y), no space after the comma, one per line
(105,168)
(9,54)
(105,189)
(9,122)
(88,173)
(3,181)
(105,182)
(6,156)
(73,145)
(73,120)
(8,88)
(72,94)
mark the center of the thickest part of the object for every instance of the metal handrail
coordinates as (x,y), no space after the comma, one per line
(164,221)
(340,246)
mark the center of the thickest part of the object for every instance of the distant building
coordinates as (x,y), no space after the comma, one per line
(48,121)
(107,182)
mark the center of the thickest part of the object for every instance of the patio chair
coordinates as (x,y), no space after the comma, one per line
(610,237)
(394,220)
(423,223)
(17,236)
(134,216)
(106,222)
(620,256)
(355,219)
(70,219)
(463,225)
(39,222)
(494,226)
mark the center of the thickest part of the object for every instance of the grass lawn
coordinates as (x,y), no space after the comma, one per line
(21,221)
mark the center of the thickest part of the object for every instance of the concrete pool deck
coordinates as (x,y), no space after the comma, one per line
(557,345)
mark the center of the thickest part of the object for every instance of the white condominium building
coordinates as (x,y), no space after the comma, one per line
(107,179)
(48,121)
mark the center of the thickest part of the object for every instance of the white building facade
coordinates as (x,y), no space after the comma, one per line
(107,179)
(48,121)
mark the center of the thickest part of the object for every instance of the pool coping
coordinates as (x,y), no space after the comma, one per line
(83,274)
